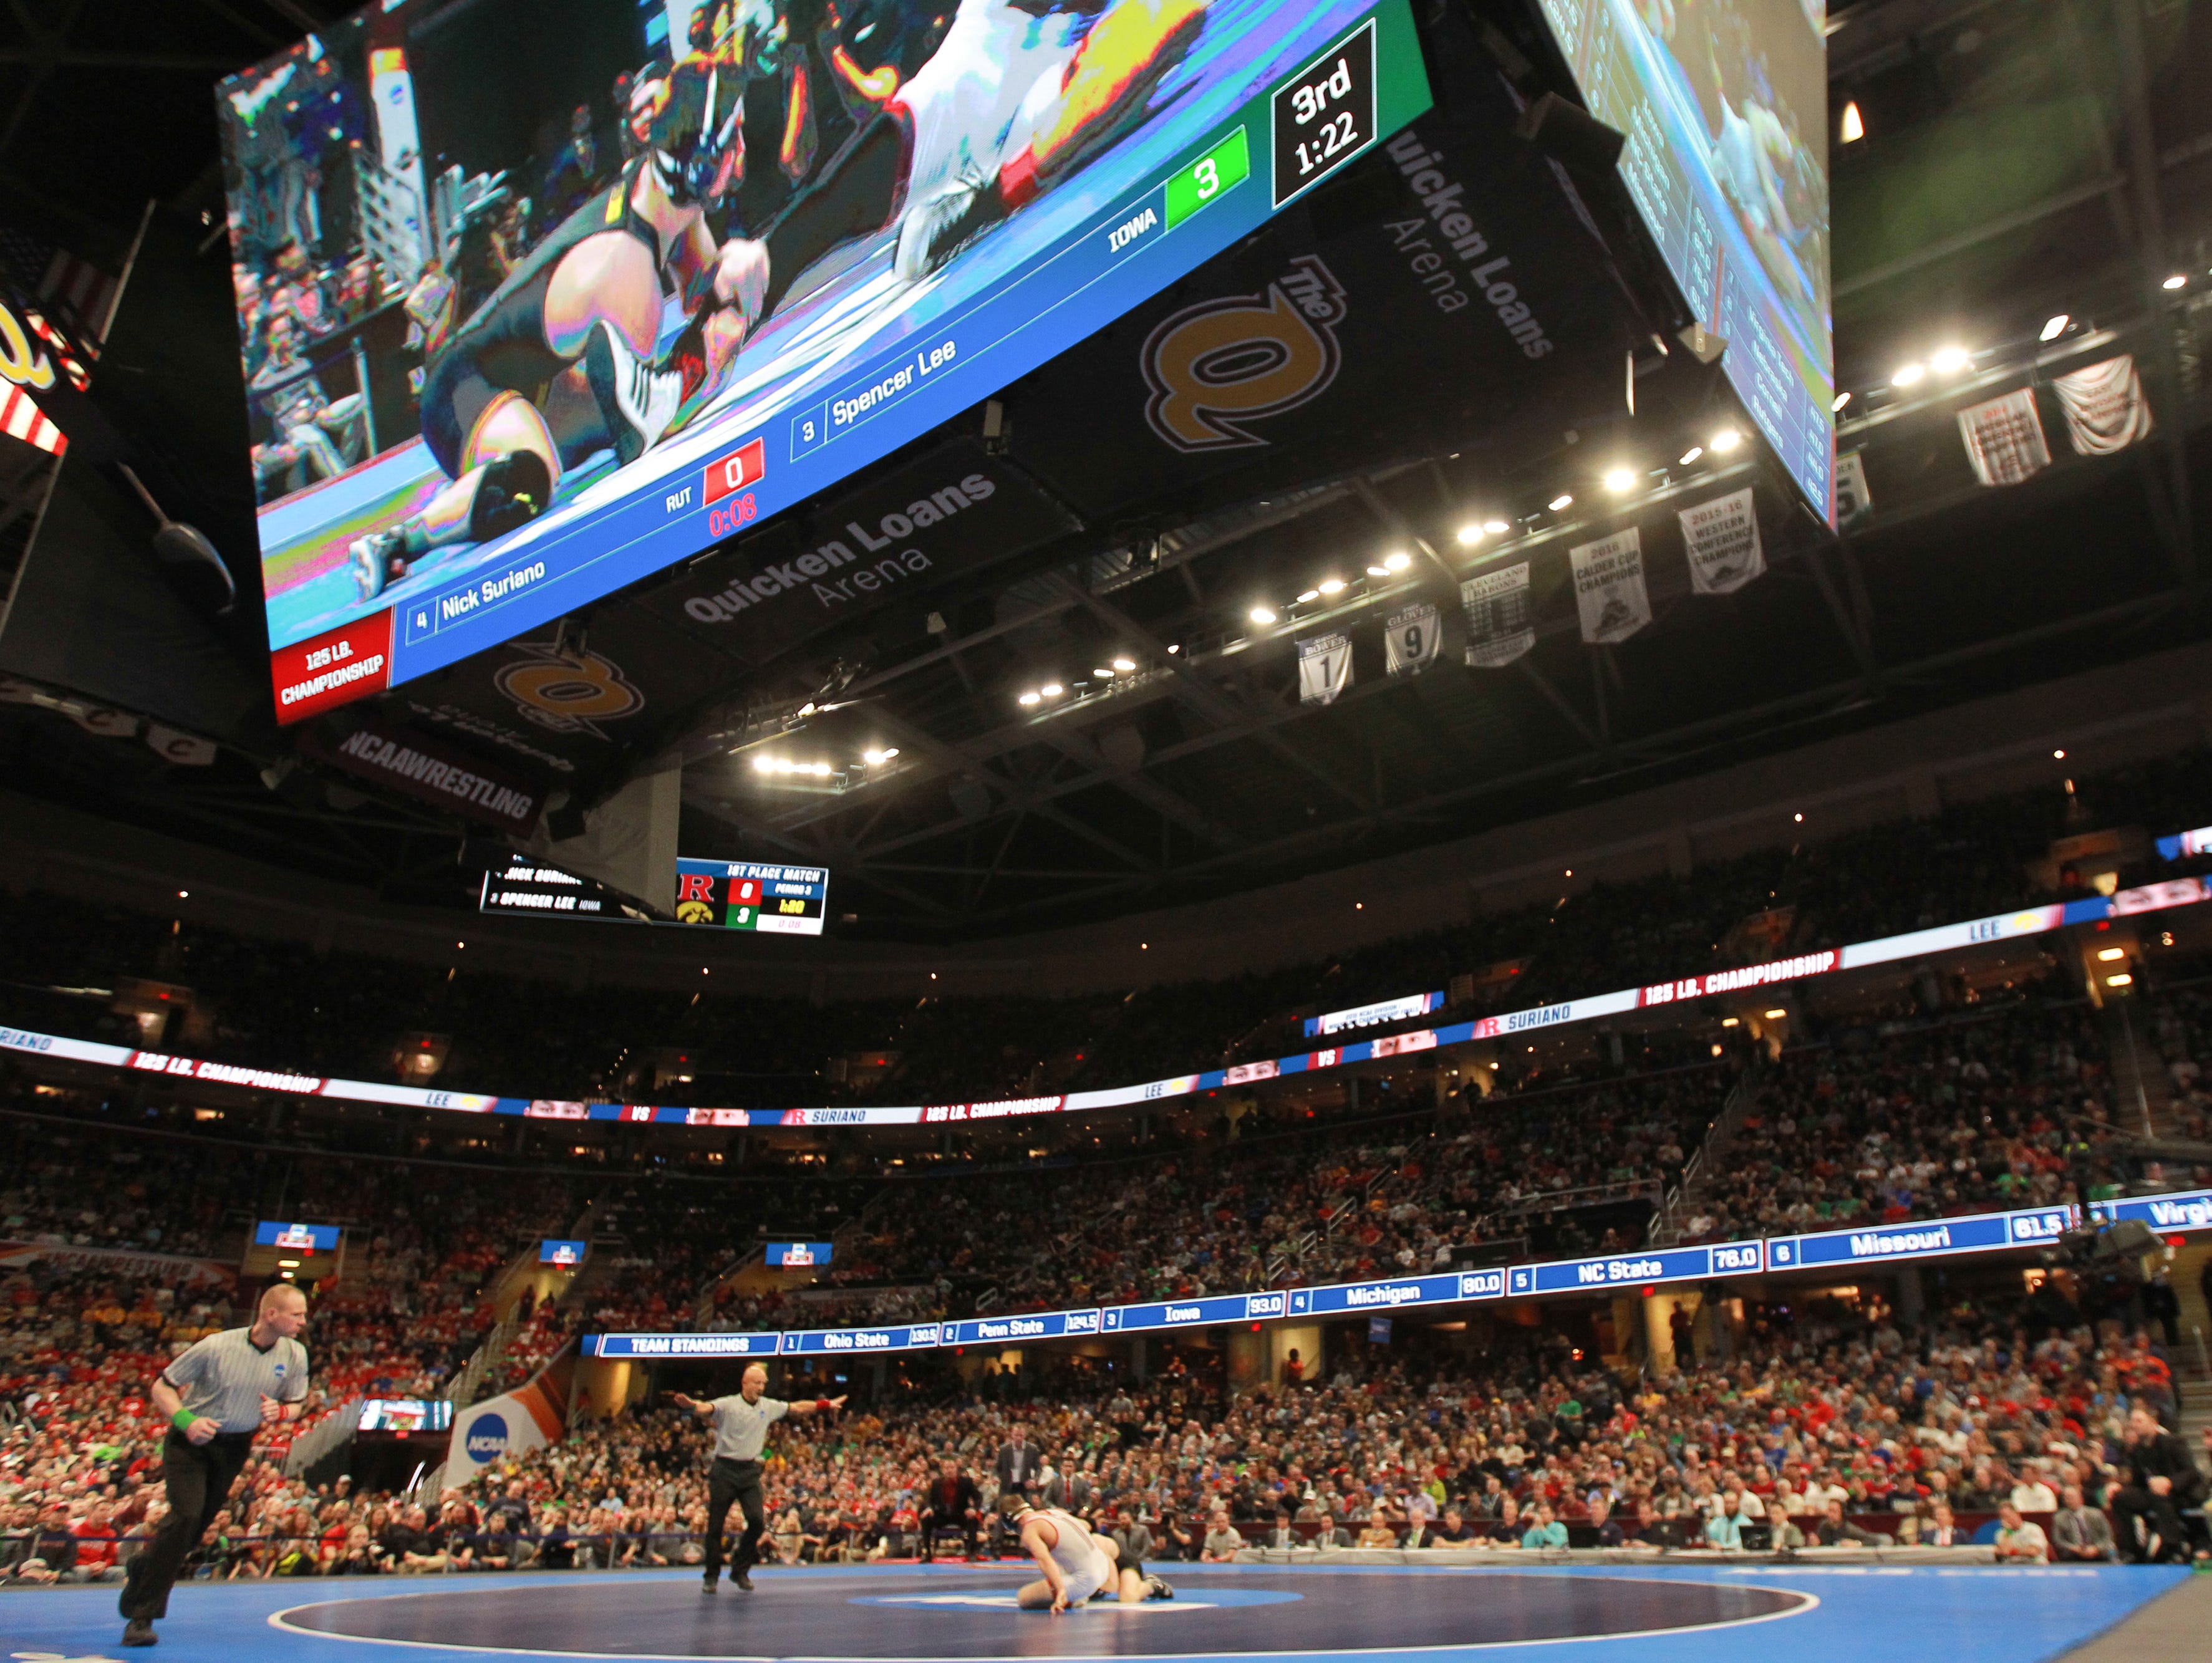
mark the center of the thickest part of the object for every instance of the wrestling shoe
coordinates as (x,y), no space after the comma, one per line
(140,1632)
(636,400)
(372,559)
(1156,1589)
(932,232)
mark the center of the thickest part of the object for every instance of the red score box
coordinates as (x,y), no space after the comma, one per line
(350,662)
(743,466)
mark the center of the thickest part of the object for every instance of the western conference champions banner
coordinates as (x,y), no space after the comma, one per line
(1497,606)
(2004,437)
(1610,590)
(2104,406)
(1721,539)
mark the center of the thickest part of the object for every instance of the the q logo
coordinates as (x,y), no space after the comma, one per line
(20,361)
(1221,363)
(487,1439)
(568,693)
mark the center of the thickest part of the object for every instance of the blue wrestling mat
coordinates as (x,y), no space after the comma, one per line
(1662,1613)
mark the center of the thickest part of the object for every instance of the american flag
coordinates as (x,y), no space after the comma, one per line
(76,295)
(69,316)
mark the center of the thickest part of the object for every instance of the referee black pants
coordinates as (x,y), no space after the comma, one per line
(198,1478)
(729,1481)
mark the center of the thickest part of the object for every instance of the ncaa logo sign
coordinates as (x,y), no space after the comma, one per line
(487,1438)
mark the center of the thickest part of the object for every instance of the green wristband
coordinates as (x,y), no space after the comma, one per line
(183,1419)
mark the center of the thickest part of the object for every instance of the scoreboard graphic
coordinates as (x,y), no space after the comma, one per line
(750,894)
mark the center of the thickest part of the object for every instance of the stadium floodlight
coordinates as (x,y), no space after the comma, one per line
(1398,562)
(1103,674)
(1776,1015)
(1031,698)
(1125,665)
(1051,689)
(2177,280)
(764,764)
(1691,455)
(2122,980)
(1263,615)
(876,759)
(1560,502)
(1496,527)
(1621,480)
(1308,596)
(1854,124)
(1950,361)
(1839,401)
(1908,375)
(2054,326)
(1724,442)
(1467,534)
(2110,954)
(1378,571)
(1331,585)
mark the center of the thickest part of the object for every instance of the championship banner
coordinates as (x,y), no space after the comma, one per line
(2103,405)
(2004,439)
(1496,606)
(1721,539)
(1409,639)
(1609,592)
(1324,668)
(1852,497)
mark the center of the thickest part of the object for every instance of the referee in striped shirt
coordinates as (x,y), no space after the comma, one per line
(741,1425)
(217,1395)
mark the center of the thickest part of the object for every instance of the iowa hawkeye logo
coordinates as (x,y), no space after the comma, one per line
(1216,365)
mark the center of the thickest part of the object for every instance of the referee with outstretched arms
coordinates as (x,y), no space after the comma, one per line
(217,1395)
(741,1425)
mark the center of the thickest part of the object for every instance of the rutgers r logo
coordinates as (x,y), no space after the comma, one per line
(1216,365)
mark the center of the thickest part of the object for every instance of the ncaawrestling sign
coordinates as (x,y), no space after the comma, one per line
(431,771)
(949,513)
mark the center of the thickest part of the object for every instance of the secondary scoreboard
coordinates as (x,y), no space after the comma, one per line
(752,895)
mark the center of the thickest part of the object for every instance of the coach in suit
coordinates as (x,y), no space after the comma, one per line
(1019,1462)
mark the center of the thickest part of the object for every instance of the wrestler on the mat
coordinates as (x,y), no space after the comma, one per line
(1077,1566)
(1019,95)
(560,362)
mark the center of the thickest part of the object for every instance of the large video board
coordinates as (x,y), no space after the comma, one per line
(1725,106)
(540,296)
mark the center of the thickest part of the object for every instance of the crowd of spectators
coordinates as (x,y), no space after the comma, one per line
(1825,1426)
(278,1005)
(2010,1109)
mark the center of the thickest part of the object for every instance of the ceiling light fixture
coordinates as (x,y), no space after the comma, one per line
(1051,689)
(1691,455)
(1263,615)
(1854,124)
(1776,1015)
(1125,665)
(1560,502)
(1103,674)
(1031,698)
(2122,980)
(2177,280)
(2109,954)
(2054,327)
(1839,401)
(1398,562)
(1724,442)
(1331,585)
(1950,361)
(1467,534)
(1621,480)
(1307,595)
(1907,376)
(1378,572)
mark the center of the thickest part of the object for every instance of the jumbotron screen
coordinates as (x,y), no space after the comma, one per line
(538,297)
(1725,105)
